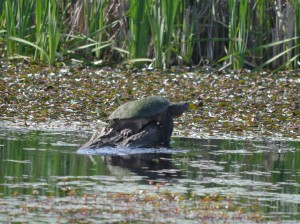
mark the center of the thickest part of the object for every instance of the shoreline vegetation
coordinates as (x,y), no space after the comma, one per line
(154,33)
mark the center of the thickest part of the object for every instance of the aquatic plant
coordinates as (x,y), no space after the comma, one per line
(254,34)
(237,103)
(137,206)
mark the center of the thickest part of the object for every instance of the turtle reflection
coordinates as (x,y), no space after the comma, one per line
(151,165)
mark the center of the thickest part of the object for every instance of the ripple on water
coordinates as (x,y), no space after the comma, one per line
(38,166)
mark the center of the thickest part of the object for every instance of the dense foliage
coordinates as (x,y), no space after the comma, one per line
(240,34)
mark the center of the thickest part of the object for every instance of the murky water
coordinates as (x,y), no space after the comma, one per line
(38,166)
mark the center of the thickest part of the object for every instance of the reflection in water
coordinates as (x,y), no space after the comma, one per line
(151,165)
(250,170)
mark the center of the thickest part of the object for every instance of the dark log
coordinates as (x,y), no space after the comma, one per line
(150,136)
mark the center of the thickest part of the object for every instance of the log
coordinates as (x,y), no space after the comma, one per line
(149,137)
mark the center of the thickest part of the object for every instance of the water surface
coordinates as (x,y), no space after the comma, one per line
(37,166)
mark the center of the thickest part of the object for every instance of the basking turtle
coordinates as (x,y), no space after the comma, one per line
(132,116)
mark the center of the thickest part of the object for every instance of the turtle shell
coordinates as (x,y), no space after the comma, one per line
(143,108)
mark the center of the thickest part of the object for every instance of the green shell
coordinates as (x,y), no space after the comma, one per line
(143,108)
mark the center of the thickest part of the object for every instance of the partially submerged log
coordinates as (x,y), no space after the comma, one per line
(150,136)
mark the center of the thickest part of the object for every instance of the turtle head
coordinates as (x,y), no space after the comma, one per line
(177,109)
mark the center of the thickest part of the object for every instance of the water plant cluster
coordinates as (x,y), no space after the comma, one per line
(235,34)
(224,103)
(137,206)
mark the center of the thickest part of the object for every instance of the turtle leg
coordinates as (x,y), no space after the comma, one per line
(167,128)
(131,127)
(126,132)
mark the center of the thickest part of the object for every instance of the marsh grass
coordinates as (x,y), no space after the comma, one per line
(139,29)
(17,25)
(254,34)
(239,28)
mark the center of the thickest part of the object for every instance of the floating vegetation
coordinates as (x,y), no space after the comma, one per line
(140,206)
(224,104)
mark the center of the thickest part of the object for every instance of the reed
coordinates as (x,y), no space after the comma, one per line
(187,39)
(238,31)
(96,23)
(139,29)
(296,42)
(257,34)
(47,31)
(170,10)
(88,21)
(53,31)
(19,29)
(156,21)
(262,30)
(10,28)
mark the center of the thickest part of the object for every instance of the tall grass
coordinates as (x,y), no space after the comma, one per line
(23,37)
(187,37)
(96,23)
(261,32)
(53,30)
(10,28)
(239,33)
(296,23)
(139,29)
(157,24)
(47,29)
(170,10)
(17,24)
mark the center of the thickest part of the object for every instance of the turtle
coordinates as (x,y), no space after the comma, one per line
(131,117)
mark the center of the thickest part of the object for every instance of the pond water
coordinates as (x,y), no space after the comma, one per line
(42,175)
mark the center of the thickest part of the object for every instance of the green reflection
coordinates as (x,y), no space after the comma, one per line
(46,163)
(30,160)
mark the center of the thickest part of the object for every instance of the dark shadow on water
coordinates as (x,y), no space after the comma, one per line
(151,165)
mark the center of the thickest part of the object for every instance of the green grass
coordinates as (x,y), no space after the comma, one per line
(156,20)
(139,29)
(234,34)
